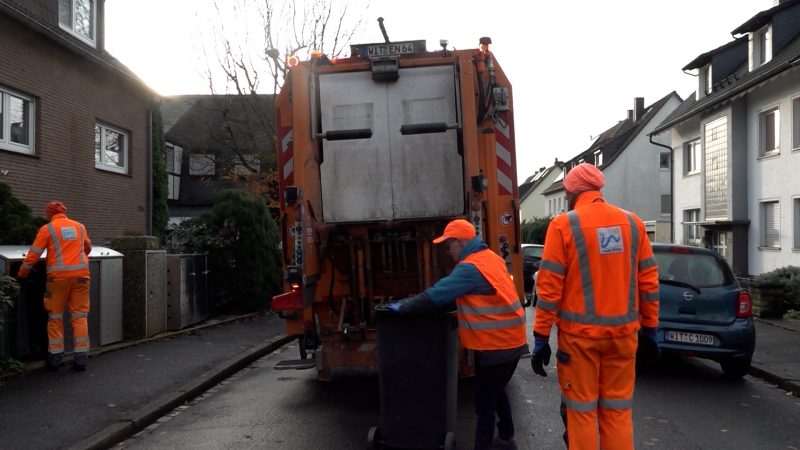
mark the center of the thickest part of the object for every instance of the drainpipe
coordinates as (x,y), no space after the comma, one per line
(671,187)
(150,172)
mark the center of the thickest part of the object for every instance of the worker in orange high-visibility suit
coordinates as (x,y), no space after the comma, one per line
(598,281)
(67,245)
(491,321)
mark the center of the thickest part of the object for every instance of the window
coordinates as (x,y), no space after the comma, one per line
(202,165)
(666,204)
(796,203)
(692,157)
(715,168)
(174,156)
(110,148)
(769,132)
(770,224)
(664,160)
(16,122)
(79,17)
(796,123)
(253,162)
(691,230)
(598,158)
(760,43)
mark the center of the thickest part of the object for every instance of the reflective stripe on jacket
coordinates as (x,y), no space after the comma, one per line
(491,321)
(67,245)
(598,277)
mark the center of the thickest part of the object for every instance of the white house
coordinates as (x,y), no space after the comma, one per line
(636,169)
(736,146)
(532,203)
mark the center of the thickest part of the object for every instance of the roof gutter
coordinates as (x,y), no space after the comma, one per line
(671,186)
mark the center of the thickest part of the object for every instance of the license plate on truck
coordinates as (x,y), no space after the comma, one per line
(690,338)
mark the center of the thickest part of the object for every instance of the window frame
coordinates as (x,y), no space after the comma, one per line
(173,176)
(795,122)
(696,158)
(661,165)
(212,163)
(71,28)
(697,240)
(5,123)
(763,152)
(598,156)
(126,152)
(762,220)
(759,55)
(796,223)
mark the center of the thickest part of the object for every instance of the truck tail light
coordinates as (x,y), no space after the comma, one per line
(744,306)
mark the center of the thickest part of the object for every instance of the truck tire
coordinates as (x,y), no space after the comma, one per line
(373,438)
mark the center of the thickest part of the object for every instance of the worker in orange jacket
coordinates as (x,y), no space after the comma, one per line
(67,245)
(491,321)
(598,281)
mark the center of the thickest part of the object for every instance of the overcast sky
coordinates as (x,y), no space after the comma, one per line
(575,66)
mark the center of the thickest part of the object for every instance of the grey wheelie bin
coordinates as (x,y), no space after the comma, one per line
(418,374)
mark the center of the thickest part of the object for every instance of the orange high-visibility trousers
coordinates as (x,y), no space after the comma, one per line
(74,294)
(597,378)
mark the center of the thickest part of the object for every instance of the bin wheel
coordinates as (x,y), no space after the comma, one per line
(450,441)
(373,438)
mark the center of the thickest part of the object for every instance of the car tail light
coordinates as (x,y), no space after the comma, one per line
(745,305)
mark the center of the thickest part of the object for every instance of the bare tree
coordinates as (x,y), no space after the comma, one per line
(252,45)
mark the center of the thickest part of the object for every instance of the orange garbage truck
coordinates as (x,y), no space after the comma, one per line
(376,153)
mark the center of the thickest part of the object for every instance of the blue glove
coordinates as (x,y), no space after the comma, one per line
(395,307)
(540,355)
(648,350)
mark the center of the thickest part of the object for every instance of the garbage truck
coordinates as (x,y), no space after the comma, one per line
(376,153)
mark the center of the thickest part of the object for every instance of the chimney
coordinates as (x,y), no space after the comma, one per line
(638,108)
(630,114)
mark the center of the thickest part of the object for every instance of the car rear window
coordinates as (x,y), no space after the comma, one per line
(694,268)
(532,252)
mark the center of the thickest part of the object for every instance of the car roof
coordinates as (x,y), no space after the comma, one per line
(664,247)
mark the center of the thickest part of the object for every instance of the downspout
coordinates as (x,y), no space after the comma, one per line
(150,172)
(671,187)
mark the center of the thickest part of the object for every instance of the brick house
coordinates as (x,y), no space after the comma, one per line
(74,121)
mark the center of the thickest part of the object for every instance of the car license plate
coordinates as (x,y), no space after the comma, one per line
(398,48)
(690,338)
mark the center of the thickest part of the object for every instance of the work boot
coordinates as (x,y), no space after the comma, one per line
(79,361)
(501,444)
(53,361)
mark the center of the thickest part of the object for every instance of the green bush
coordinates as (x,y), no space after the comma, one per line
(789,277)
(17,224)
(535,231)
(241,239)
(160,209)
(9,290)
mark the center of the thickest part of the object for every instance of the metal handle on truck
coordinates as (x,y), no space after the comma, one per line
(342,135)
(426,128)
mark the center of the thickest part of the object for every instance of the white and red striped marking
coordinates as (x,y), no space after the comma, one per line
(504,148)
(286,160)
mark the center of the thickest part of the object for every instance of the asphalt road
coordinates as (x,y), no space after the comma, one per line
(682,404)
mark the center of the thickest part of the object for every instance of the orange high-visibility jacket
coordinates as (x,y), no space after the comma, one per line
(67,246)
(598,277)
(495,321)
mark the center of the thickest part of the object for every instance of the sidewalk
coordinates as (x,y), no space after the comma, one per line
(777,355)
(125,389)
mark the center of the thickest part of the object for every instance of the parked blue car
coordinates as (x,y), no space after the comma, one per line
(703,311)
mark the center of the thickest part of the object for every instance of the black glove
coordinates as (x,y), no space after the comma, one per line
(418,304)
(648,350)
(540,355)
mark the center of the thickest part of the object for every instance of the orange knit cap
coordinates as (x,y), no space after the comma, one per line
(458,229)
(584,177)
(54,208)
